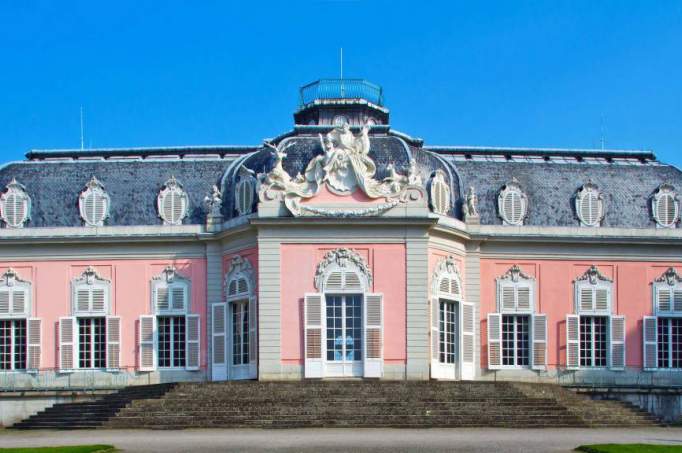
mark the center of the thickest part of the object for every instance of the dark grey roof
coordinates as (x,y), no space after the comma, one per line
(133,186)
(551,188)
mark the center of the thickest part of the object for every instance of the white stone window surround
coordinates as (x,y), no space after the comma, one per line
(665,207)
(16,296)
(593,293)
(667,294)
(512,204)
(94,204)
(439,193)
(172,202)
(90,294)
(15,205)
(515,292)
(589,205)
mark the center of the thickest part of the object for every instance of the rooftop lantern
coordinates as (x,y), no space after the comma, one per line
(335,102)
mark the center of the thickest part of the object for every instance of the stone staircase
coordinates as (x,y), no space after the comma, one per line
(91,414)
(374,404)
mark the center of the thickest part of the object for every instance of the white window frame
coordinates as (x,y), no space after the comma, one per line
(665,190)
(512,188)
(515,279)
(241,277)
(12,342)
(12,283)
(172,187)
(90,281)
(584,191)
(669,282)
(245,185)
(529,346)
(439,193)
(95,188)
(593,280)
(18,190)
(607,348)
(77,342)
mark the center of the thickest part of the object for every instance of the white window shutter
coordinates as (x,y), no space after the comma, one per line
(435,338)
(601,300)
(147,343)
(18,301)
(193,340)
(677,300)
(68,333)
(586,299)
(33,344)
(508,298)
(650,337)
(4,301)
(572,342)
(161,298)
(219,342)
(374,335)
(468,323)
(617,340)
(178,297)
(494,341)
(523,298)
(113,332)
(83,300)
(314,335)
(663,300)
(539,341)
(253,338)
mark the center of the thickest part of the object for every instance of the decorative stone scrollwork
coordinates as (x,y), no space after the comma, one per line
(593,276)
(10,278)
(344,167)
(341,258)
(169,274)
(446,269)
(90,277)
(240,268)
(670,277)
(515,273)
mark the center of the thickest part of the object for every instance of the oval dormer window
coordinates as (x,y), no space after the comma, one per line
(589,205)
(94,203)
(15,205)
(172,203)
(512,204)
(440,193)
(666,206)
(245,191)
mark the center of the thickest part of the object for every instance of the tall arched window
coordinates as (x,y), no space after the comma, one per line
(595,337)
(19,332)
(662,342)
(90,338)
(452,324)
(170,338)
(517,335)
(344,320)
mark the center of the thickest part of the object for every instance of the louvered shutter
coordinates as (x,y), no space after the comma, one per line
(147,343)
(253,338)
(586,299)
(664,299)
(314,335)
(161,298)
(539,341)
(4,302)
(167,206)
(219,341)
(494,341)
(374,336)
(82,300)
(352,282)
(68,333)
(523,298)
(435,338)
(601,301)
(98,296)
(178,297)
(617,340)
(334,281)
(193,337)
(113,342)
(650,337)
(677,300)
(572,342)
(18,301)
(89,207)
(468,323)
(33,344)
(508,298)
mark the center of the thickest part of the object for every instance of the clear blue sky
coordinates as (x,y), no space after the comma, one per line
(537,74)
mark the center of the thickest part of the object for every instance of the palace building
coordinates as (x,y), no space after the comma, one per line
(339,249)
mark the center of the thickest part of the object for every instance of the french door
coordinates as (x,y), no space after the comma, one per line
(239,329)
(343,329)
(448,345)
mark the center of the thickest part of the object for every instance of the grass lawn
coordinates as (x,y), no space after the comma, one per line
(629,448)
(69,449)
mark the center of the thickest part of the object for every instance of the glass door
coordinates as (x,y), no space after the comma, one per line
(344,335)
(448,334)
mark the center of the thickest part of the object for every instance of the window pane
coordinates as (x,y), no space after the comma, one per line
(450,328)
(508,340)
(334,328)
(5,345)
(100,342)
(164,340)
(178,341)
(585,341)
(84,343)
(522,340)
(664,343)
(19,344)
(675,341)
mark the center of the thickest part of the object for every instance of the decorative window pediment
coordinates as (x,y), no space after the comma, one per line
(240,279)
(593,293)
(94,203)
(668,293)
(15,205)
(515,292)
(512,203)
(90,293)
(439,193)
(343,269)
(170,292)
(245,191)
(446,280)
(15,295)
(665,206)
(172,202)
(589,205)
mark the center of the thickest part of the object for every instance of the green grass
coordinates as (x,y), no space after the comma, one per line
(69,449)
(630,448)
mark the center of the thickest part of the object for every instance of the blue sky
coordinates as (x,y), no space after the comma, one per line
(535,74)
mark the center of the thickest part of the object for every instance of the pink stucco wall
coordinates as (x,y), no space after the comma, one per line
(555,297)
(298,264)
(130,297)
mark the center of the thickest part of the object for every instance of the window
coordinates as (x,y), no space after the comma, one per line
(171,333)
(668,293)
(669,342)
(665,207)
(512,204)
(90,293)
(593,341)
(92,342)
(172,203)
(245,191)
(589,205)
(440,193)
(94,203)
(447,332)
(240,333)
(344,327)
(12,344)
(515,340)
(15,205)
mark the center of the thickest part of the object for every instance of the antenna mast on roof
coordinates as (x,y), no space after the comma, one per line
(82,136)
(601,139)
(342,63)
